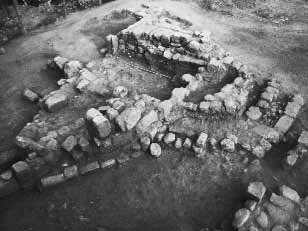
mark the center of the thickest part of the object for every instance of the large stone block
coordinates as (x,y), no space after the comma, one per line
(56,102)
(23,174)
(128,119)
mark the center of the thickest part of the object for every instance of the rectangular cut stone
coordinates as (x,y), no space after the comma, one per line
(8,186)
(52,180)
(108,163)
(23,174)
(267,133)
(292,109)
(303,139)
(284,124)
(89,167)
(56,101)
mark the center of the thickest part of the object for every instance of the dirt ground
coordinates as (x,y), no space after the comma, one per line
(172,193)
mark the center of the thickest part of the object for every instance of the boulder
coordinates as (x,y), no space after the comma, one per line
(257,190)
(241,216)
(254,113)
(128,118)
(289,193)
(155,150)
(169,138)
(69,143)
(102,125)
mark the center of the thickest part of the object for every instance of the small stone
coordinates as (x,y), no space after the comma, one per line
(178,143)
(202,139)
(84,144)
(30,95)
(97,142)
(258,151)
(262,220)
(254,113)
(108,163)
(160,137)
(267,96)
(187,143)
(303,139)
(213,143)
(241,216)
(227,145)
(145,142)
(209,98)
(233,138)
(71,172)
(123,158)
(257,190)
(204,106)
(289,193)
(155,150)
(89,167)
(263,104)
(200,152)
(169,138)
(120,91)
(265,144)
(299,100)
(2,51)
(291,159)
(69,143)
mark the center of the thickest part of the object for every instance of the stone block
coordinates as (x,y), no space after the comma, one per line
(30,95)
(241,217)
(292,109)
(289,193)
(267,133)
(90,167)
(202,139)
(284,124)
(303,139)
(129,118)
(254,113)
(155,150)
(257,190)
(52,180)
(23,174)
(108,163)
(69,143)
(70,171)
(56,102)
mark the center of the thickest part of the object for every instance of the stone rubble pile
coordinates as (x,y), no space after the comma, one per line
(285,211)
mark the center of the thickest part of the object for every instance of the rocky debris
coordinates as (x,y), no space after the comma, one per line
(23,174)
(129,118)
(254,113)
(120,91)
(52,180)
(169,138)
(100,124)
(257,190)
(227,145)
(30,95)
(155,150)
(56,101)
(89,167)
(69,143)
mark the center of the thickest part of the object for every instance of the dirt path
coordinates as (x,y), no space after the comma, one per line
(139,196)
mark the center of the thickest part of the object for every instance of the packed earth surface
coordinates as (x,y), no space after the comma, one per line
(156,115)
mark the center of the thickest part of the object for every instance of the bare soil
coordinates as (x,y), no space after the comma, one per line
(175,192)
